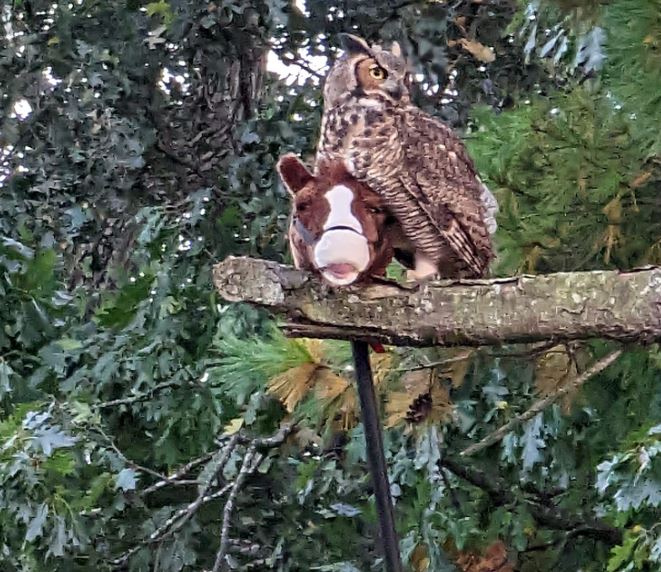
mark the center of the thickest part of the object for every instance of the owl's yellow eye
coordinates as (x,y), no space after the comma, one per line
(377,72)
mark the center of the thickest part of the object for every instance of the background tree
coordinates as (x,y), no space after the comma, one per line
(137,147)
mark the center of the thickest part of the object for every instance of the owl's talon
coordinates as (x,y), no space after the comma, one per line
(419,278)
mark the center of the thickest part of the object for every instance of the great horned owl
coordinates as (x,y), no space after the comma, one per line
(415,162)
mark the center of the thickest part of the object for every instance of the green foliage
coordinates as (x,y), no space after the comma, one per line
(567,171)
(634,59)
(137,148)
(630,482)
(269,357)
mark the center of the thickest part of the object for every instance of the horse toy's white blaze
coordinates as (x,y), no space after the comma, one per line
(342,253)
(340,200)
(338,227)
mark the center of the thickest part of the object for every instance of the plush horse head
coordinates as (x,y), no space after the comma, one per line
(338,227)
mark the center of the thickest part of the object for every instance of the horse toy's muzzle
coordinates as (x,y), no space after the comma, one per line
(340,253)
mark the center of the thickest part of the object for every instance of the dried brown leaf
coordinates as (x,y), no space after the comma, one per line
(441,404)
(494,559)
(315,348)
(641,179)
(653,255)
(291,386)
(329,385)
(613,211)
(397,408)
(457,368)
(531,259)
(610,239)
(460,21)
(425,399)
(417,381)
(381,367)
(553,370)
(477,50)
(338,396)
(420,558)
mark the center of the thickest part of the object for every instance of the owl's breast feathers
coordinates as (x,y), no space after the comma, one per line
(423,171)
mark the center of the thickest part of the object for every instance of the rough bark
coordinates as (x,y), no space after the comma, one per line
(624,306)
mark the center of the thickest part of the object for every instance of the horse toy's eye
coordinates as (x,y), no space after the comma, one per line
(375,210)
(377,72)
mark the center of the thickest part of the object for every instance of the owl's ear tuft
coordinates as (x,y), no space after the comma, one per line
(293,172)
(354,44)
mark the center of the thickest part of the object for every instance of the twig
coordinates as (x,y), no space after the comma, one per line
(176,476)
(179,518)
(163,528)
(192,507)
(172,154)
(276,439)
(301,64)
(244,547)
(541,404)
(434,364)
(266,442)
(250,463)
(183,515)
(541,508)
(246,468)
(128,461)
(533,350)
(140,396)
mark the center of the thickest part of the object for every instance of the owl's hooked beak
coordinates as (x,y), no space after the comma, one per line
(393,88)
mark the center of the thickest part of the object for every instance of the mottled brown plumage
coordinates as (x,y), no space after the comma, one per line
(415,162)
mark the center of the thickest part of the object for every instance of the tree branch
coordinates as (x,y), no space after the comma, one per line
(540,507)
(144,396)
(541,404)
(256,451)
(623,306)
(177,475)
(247,467)
(180,517)
(135,466)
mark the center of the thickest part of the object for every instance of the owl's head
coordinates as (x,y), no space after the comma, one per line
(367,70)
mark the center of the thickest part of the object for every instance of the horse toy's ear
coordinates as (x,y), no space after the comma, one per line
(293,172)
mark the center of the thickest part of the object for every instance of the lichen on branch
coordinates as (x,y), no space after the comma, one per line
(624,306)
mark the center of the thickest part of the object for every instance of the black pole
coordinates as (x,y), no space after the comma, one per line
(375,455)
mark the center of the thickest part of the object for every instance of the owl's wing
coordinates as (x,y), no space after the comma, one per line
(423,171)
(425,175)
(441,174)
(442,233)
